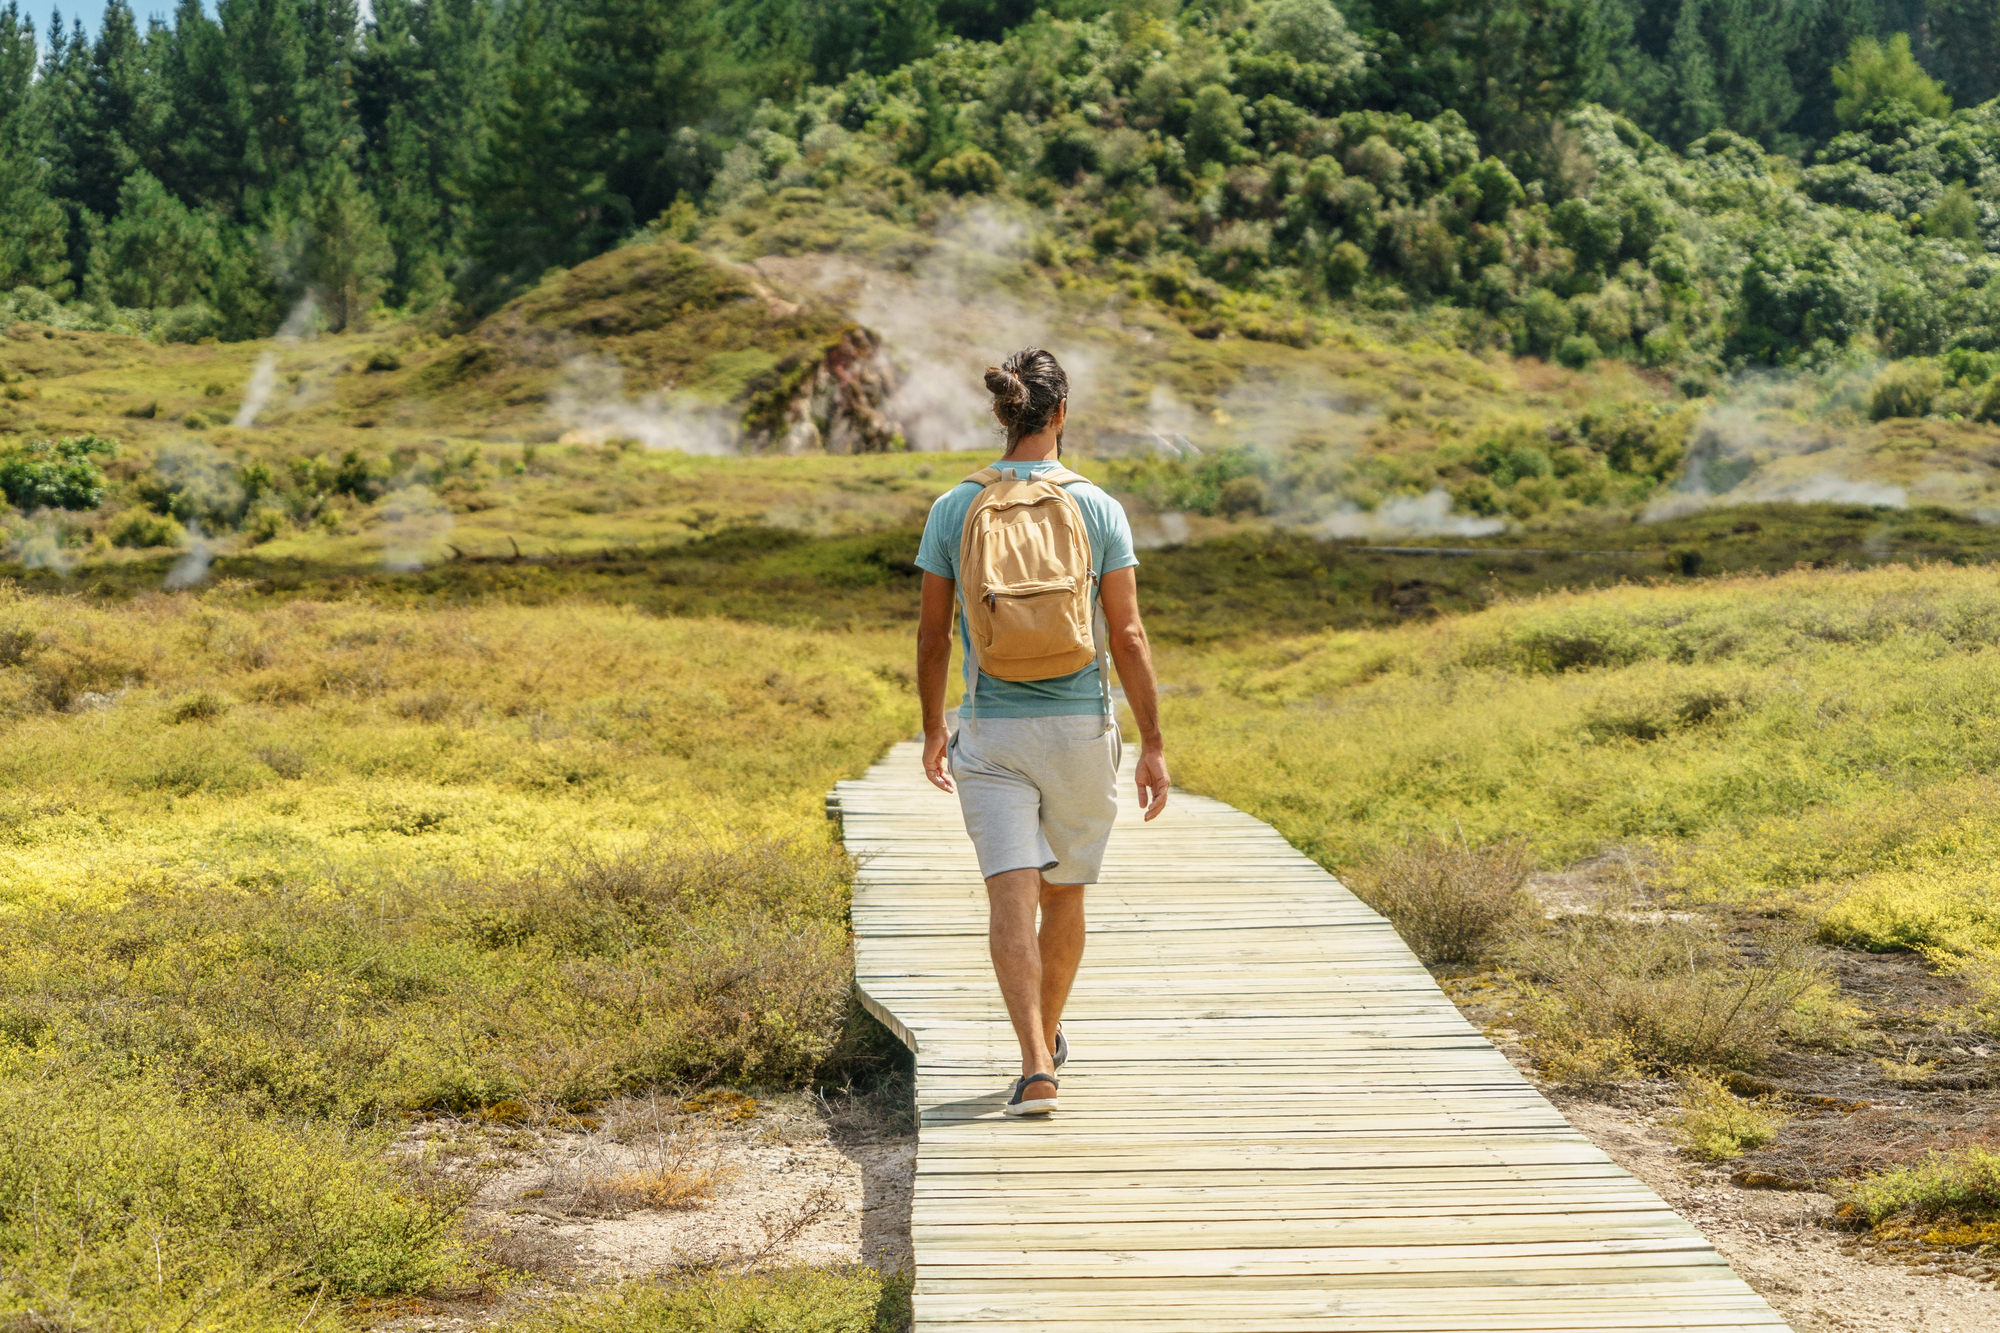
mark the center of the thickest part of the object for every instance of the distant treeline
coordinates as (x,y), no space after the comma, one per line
(201,175)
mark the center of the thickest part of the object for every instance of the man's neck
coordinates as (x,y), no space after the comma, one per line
(1033,449)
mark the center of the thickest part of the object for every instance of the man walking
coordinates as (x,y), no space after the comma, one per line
(1039,564)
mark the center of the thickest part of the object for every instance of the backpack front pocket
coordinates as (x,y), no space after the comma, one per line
(1033,620)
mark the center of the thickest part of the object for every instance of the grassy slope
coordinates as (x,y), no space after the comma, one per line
(1820,741)
(1360,414)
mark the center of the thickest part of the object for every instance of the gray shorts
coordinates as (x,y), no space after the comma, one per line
(1038,793)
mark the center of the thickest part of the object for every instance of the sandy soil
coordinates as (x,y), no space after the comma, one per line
(779,1181)
(1779,1243)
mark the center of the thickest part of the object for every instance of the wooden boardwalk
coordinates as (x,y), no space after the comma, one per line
(1274,1120)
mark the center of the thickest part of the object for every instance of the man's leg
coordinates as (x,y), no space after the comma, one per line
(1061,943)
(1011,898)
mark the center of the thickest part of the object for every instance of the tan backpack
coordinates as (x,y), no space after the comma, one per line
(1024,576)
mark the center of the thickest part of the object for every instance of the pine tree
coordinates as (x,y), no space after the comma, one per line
(342,253)
(34,231)
(1698,103)
(537,201)
(118,112)
(1749,42)
(661,79)
(424,88)
(155,251)
(1965,48)
(1877,78)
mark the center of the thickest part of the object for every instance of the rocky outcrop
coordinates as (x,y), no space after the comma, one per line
(838,406)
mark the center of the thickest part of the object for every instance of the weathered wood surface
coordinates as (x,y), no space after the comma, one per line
(1274,1119)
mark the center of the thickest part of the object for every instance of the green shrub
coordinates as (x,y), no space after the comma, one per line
(1577,351)
(1346,266)
(1673,993)
(266,523)
(1714,1124)
(1240,496)
(55,474)
(676,960)
(130,1208)
(803,1300)
(142,528)
(1907,389)
(201,706)
(1961,1185)
(1446,900)
(969,171)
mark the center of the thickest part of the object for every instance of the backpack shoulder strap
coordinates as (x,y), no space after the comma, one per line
(1062,476)
(983,478)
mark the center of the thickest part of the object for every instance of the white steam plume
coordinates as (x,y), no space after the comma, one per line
(264,379)
(191,568)
(592,407)
(415,524)
(1427,515)
(40,545)
(947,320)
(1753,450)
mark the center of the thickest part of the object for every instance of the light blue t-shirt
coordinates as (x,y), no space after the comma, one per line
(1110,549)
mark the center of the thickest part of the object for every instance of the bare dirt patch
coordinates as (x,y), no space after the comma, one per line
(1784,1243)
(1913,1080)
(656,1186)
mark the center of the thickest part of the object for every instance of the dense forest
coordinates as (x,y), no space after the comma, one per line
(1696,183)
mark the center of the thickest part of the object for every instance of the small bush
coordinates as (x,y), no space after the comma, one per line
(265,524)
(1673,992)
(1925,907)
(1240,496)
(1715,1124)
(1346,266)
(1577,351)
(970,171)
(55,474)
(201,706)
(1907,389)
(801,1300)
(1962,1186)
(140,529)
(383,362)
(1446,900)
(124,1199)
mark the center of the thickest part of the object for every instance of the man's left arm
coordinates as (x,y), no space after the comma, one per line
(1119,593)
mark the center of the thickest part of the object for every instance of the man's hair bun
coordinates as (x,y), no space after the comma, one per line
(1027,389)
(1009,394)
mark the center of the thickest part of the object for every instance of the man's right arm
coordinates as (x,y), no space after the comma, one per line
(933,666)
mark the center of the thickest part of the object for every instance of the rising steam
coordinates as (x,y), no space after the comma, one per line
(264,379)
(415,525)
(592,406)
(1427,515)
(191,568)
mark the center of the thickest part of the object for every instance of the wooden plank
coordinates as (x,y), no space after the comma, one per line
(1274,1122)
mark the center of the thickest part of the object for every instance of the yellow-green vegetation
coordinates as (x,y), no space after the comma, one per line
(796,1301)
(1446,899)
(275,874)
(132,1203)
(1723,713)
(1714,1124)
(1815,743)
(1949,1200)
(1607,993)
